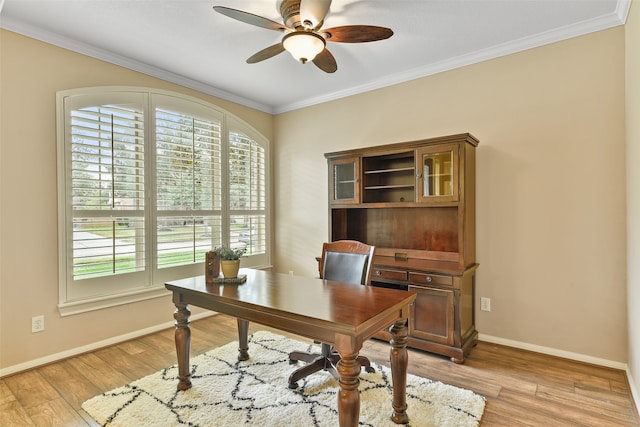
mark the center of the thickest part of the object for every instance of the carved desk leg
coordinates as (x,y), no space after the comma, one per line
(243,339)
(399,362)
(183,342)
(348,395)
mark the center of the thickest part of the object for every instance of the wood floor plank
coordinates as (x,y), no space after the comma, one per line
(499,413)
(586,404)
(526,367)
(487,371)
(160,343)
(90,422)
(30,389)
(70,383)
(55,413)
(6,396)
(562,412)
(612,397)
(458,377)
(13,414)
(132,347)
(132,368)
(98,372)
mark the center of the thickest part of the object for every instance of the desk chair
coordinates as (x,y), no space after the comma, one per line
(344,261)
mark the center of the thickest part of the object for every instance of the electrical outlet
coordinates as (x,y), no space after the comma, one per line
(485,304)
(37,323)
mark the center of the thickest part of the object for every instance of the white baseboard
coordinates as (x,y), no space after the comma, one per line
(10,370)
(634,390)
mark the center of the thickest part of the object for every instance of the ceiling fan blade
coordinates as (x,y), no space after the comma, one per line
(250,18)
(314,11)
(266,53)
(325,61)
(357,33)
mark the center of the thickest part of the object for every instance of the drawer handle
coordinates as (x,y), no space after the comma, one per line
(429,279)
(378,272)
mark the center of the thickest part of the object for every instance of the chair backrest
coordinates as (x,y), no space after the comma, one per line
(347,261)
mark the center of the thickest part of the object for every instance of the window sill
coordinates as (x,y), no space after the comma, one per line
(71,308)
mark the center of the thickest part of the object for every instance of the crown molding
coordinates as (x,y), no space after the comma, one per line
(126,62)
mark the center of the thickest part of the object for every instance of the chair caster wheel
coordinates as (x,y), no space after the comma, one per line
(369,369)
(293,386)
(293,362)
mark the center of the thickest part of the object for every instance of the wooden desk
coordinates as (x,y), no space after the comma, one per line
(340,314)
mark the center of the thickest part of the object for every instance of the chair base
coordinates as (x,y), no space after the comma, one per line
(325,361)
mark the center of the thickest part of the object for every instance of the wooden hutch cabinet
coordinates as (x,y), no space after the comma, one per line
(415,201)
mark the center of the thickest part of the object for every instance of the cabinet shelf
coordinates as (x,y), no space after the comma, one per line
(441,175)
(389,178)
(377,171)
(388,187)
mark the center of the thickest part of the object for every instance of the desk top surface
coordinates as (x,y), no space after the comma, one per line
(297,296)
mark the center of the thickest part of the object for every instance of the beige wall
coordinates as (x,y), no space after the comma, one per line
(30,74)
(550,184)
(550,211)
(633,191)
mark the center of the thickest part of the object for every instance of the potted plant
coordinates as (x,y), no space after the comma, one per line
(229,260)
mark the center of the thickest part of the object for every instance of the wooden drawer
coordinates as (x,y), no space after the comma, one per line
(430,279)
(381,273)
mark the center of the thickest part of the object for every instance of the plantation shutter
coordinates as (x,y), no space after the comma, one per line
(247,192)
(189,184)
(106,157)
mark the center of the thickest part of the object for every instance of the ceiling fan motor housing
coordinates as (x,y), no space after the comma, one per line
(290,11)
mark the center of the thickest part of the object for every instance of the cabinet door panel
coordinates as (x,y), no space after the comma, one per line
(344,180)
(438,178)
(432,315)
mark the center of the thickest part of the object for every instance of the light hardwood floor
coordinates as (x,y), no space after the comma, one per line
(522,388)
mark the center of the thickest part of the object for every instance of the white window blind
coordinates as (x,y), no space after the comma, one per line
(247,186)
(189,191)
(148,182)
(107,184)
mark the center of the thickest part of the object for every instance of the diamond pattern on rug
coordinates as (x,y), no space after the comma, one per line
(255,392)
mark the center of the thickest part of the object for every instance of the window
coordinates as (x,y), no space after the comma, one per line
(148,183)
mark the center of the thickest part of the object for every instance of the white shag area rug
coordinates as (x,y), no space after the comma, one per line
(255,392)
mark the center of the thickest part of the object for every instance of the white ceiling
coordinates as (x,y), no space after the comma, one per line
(187,42)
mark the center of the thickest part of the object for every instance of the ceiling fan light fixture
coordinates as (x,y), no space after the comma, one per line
(303,45)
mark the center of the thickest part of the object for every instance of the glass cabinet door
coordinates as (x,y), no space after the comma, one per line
(438,173)
(344,179)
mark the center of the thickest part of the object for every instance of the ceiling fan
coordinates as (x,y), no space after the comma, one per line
(304,37)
